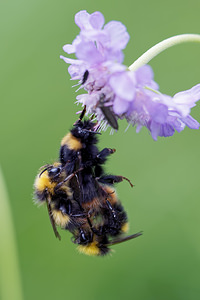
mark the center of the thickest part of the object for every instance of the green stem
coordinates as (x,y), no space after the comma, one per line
(10,281)
(160,47)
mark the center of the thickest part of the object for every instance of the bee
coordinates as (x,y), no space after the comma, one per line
(80,197)
(93,235)
(93,189)
(81,158)
(62,209)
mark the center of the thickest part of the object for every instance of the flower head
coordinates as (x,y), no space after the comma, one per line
(163,114)
(133,95)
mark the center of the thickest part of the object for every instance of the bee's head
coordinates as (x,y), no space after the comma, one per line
(84,130)
(53,172)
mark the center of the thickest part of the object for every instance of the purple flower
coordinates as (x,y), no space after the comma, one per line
(96,45)
(131,95)
(163,114)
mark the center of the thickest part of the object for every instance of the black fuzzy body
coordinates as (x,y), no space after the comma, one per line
(78,191)
(86,159)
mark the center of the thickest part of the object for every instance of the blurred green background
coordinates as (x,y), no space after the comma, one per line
(37,109)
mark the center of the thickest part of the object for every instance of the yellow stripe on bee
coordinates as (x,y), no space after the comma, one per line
(60,219)
(71,142)
(90,249)
(42,182)
(125,227)
(112,195)
(67,190)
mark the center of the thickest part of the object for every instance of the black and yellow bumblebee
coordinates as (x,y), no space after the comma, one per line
(81,158)
(63,210)
(80,197)
(94,230)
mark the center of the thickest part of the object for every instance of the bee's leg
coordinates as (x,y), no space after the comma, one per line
(100,159)
(117,222)
(78,215)
(82,237)
(85,238)
(112,179)
(95,230)
(112,210)
(114,221)
(102,155)
(69,177)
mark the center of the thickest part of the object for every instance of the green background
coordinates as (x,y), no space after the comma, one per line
(37,109)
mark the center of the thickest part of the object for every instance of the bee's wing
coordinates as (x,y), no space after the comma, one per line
(124,239)
(52,220)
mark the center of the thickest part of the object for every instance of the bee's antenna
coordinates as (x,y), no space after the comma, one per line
(83,113)
(47,168)
(90,131)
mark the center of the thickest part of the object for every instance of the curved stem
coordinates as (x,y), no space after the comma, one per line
(10,281)
(160,47)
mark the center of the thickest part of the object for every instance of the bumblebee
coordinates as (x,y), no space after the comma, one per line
(93,189)
(92,231)
(63,210)
(81,158)
(80,197)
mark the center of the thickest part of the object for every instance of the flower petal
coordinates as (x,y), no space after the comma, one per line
(191,122)
(119,37)
(97,20)
(82,19)
(120,106)
(88,52)
(123,85)
(186,99)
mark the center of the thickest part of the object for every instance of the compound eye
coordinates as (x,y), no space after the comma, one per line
(83,238)
(85,133)
(80,131)
(54,171)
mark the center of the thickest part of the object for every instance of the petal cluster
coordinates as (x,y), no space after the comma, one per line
(134,96)
(162,114)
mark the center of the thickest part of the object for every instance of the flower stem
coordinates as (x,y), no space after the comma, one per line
(10,281)
(160,47)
